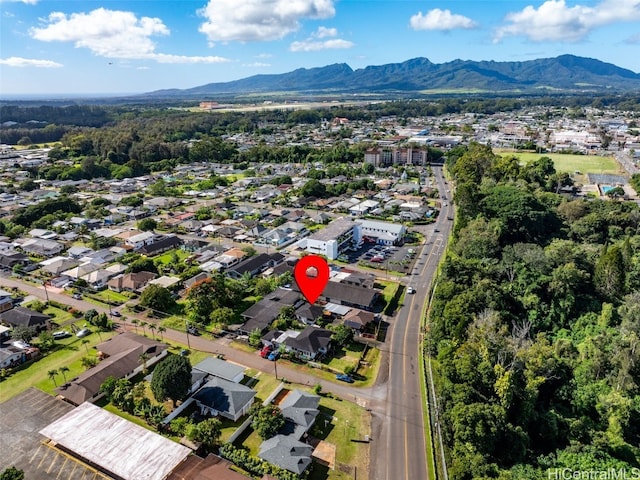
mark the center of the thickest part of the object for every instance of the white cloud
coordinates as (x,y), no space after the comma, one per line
(259,20)
(112,34)
(28,2)
(312,46)
(256,65)
(324,32)
(437,19)
(555,21)
(29,62)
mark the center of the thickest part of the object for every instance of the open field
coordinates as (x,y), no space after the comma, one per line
(570,163)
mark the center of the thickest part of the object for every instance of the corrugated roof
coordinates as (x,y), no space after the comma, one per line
(116,445)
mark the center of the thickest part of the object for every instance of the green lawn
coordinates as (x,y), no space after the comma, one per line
(111,296)
(36,373)
(570,163)
(345,357)
(167,257)
(263,383)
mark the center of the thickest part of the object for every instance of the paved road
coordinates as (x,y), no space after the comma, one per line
(398,447)
(398,441)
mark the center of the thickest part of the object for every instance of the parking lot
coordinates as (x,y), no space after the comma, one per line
(21,445)
(393,258)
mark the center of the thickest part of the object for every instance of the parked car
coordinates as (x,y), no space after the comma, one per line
(266,350)
(411,290)
(273,356)
(60,334)
(343,377)
(116,313)
(83,332)
(77,296)
(193,331)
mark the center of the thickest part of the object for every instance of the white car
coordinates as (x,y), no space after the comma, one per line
(83,332)
(411,290)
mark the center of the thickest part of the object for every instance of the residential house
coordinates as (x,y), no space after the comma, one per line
(219,368)
(358,319)
(131,282)
(42,247)
(121,360)
(311,343)
(350,295)
(263,313)
(255,265)
(57,265)
(25,317)
(286,452)
(98,278)
(220,397)
(6,301)
(308,314)
(140,240)
(160,245)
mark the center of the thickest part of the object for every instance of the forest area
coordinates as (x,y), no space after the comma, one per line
(535,325)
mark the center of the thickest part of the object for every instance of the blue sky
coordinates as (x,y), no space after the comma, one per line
(111,46)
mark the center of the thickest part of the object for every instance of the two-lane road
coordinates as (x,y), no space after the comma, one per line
(399,448)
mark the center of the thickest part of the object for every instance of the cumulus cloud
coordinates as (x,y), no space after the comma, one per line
(555,21)
(29,62)
(112,34)
(259,20)
(316,43)
(437,19)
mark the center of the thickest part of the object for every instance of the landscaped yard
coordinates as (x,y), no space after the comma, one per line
(344,357)
(70,356)
(170,256)
(263,383)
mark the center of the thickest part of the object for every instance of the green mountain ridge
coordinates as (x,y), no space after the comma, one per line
(566,72)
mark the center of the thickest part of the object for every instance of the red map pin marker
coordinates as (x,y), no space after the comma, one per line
(311,285)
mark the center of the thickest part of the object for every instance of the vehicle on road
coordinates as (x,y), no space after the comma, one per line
(83,332)
(60,334)
(77,296)
(343,377)
(411,290)
(273,356)
(116,313)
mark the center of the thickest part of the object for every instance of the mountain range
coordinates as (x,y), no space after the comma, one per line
(566,73)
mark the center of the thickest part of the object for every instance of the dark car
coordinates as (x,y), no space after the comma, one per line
(193,331)
(116,313)
(343,377)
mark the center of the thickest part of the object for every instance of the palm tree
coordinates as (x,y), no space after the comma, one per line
(135,323)
(153,329)
(161,329)
(63,371)
(143,325)
(85,342)
(52,376)
(143,358)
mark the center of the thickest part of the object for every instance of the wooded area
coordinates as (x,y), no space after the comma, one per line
(536,325)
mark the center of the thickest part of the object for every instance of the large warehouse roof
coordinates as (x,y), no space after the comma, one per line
(115,445)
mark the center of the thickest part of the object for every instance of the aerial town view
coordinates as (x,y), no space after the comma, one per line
(319,240)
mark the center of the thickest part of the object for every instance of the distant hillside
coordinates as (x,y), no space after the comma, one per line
(566,73)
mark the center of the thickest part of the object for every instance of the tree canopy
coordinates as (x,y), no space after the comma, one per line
(171,379)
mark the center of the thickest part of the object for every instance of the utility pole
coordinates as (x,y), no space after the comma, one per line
(46,293)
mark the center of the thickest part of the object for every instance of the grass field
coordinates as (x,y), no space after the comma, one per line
(36,373)
(570,163)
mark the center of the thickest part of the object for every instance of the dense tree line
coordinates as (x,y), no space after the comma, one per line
(536,325)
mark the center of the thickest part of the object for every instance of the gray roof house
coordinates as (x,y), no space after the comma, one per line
(221,369)
(24,317)
(300,409)
(311,343)
(286,452)
(222,397)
